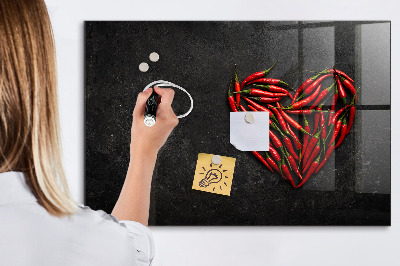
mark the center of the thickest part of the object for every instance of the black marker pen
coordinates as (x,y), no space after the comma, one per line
(151,110)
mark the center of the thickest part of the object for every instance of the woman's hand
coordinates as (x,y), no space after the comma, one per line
(148,140)
(134,201)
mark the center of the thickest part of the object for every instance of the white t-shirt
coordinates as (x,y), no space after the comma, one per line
(29,235)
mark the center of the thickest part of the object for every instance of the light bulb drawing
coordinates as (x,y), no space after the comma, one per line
(212,176)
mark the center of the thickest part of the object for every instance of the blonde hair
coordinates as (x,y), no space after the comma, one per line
(29,122)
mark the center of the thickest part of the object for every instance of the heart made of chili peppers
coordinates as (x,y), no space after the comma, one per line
(305,153)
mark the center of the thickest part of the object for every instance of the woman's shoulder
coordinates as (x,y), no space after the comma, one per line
(99,223)
(101,217)
(88,214)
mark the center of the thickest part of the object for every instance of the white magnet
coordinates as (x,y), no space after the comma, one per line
(144,67)
(249,118)
(216,159)
(154,57)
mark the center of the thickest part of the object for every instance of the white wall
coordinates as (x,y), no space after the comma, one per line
(229,245)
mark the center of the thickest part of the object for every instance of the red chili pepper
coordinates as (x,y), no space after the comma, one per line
(291,120)
(327,154)
(343,133)
(306,137)
(312,87)
(257,92)
(303,86)
(316,121)
(273,88)
(335,117)
(321,96)
(350,87)
(289,147)
(275,140)
(269,81)
(342,93)
(272,163)
(257,107)
(265,99)
(257,75)
(286,173)
(306,100)
(231,100)
(300,112)
(352,112)
(314,154)
(261,159)
(232,103)
(252,108)
(242,108)
(296,141)
(312,169)
(331,114)
(288,143)
(322,119)
(274,154)
(293,164)
(310,147)
(336,131)
(237,87)
(280,118)
(333,105)
(341,73)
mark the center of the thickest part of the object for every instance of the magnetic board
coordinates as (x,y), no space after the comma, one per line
(353,188)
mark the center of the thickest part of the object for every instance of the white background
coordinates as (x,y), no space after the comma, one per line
(229,245)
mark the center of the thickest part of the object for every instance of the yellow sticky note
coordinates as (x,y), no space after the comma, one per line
(214,178)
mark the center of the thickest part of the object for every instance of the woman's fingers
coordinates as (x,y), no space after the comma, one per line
(141,103)
(164,108)
(167,95)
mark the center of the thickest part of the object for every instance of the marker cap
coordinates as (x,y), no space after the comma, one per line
(149,120)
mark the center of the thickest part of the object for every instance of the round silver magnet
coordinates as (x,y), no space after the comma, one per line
(143,67)
(249,118)
(216,159)
(154,57)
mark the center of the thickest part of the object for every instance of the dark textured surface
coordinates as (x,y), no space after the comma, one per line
(352,189)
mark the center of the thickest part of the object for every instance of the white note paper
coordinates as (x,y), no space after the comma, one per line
(246,136)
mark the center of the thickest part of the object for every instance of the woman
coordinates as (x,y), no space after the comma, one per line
(39,222)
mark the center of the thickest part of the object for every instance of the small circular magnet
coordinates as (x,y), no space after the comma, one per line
(154,57)
(249,118)
(216,159)
(144,67)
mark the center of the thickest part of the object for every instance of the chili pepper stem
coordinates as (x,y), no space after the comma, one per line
(236,76)
(269,69)
(300,97)
(305,132)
